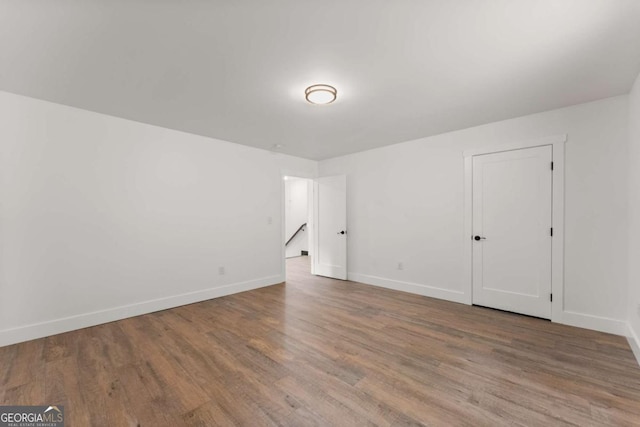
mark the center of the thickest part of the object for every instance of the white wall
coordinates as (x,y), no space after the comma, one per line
(103,218)
(296,214)
(634,218)
(406,205)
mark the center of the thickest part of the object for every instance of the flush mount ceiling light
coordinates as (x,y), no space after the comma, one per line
(320,94)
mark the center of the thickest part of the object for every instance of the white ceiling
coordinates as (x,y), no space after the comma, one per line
(237,70)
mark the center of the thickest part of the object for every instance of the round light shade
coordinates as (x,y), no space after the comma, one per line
(320,94)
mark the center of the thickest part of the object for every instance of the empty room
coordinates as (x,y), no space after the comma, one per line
(319,213)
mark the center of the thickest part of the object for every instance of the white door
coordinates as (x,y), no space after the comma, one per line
(512,230)
(330,230)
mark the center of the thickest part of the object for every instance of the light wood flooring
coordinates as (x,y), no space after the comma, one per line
(318,351)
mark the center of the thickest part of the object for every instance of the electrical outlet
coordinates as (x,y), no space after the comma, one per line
(400,265)
(269,220)
(221,271)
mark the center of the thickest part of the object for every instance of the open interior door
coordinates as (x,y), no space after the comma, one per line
(330,231)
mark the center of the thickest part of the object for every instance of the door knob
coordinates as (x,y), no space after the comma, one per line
(479,238)
(342,232)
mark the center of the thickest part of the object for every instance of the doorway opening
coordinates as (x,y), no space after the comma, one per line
(298,209)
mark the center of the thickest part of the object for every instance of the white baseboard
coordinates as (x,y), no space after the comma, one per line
(596,323)
(66,324)
(634,342)
(580,320)
(414,288)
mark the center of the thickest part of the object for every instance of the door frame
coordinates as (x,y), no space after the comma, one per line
(310,215)
(557,142)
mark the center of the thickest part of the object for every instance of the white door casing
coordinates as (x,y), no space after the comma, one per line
(512,215)
(330,231)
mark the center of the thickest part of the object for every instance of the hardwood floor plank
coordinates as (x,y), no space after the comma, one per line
(317,351)
(22,363)
(208,415)
(63,387)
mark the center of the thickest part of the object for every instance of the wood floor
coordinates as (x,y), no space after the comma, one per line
(322,352)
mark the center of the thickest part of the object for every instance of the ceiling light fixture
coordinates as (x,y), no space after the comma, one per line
(320,94)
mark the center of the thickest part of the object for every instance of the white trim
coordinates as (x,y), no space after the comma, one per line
(283,226)
(528,143)
(596,323)
(66,324)
(468,227)
(311,223)
(557,246)
(557,242)
(314,232)
(414,288)
(634,342)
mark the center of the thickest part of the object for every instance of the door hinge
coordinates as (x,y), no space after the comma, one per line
(551,297)
(551,231)
(551,165)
